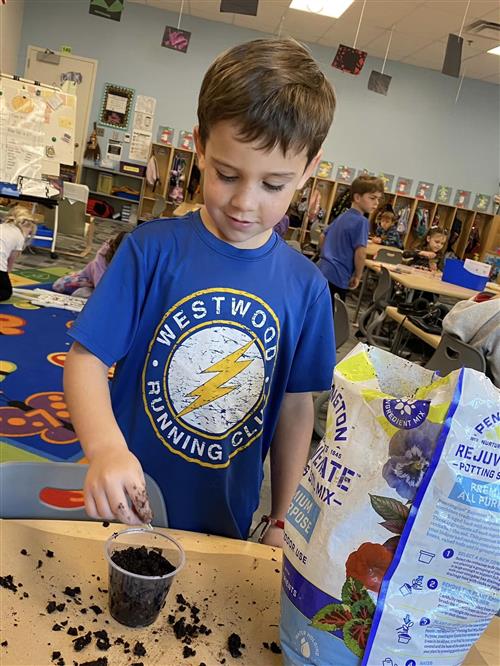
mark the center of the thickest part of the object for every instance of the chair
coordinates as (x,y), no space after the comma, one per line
(452,354)
(295,244)
(389,256)
(159,206)
(371,319)
(73,219)
(37,490)
(341,322)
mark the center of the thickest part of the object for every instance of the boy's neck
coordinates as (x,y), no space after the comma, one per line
(356,207)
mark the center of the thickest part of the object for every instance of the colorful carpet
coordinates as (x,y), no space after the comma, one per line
(34,420)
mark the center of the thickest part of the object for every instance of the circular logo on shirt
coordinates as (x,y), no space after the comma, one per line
(208,372)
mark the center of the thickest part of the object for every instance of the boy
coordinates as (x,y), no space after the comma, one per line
(343,246)
(386,232)
(221,330)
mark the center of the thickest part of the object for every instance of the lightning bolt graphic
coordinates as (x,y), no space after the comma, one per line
(227,368)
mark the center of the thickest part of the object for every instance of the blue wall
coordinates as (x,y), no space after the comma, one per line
(416,131)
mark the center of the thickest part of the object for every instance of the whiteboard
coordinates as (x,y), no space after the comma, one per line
(37,129)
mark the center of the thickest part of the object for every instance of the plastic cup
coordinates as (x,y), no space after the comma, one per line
(136,600)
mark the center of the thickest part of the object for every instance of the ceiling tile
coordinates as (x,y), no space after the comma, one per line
(401,45)
(268,16)
(367,35)
(493,78)
(431,22)
(483,64)
(430,56)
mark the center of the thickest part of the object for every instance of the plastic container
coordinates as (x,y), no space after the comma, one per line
(456,273)
(43,237)
(104,183)
(136,600)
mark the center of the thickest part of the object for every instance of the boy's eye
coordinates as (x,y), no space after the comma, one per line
(226,179)
(273,188)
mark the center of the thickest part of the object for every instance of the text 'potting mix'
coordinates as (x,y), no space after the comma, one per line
(208,374)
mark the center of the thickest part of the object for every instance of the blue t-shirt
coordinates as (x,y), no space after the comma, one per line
(348,232)
(208,338)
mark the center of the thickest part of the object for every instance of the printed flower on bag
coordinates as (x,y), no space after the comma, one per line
(410,453)
(368,564)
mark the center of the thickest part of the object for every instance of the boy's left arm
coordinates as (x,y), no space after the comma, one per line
(289,453)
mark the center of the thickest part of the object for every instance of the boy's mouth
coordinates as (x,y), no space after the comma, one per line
(238,223)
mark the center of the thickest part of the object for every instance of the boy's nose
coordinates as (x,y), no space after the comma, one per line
(243,199)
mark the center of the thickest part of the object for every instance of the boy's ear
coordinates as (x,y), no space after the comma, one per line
(200,149)
(310,169)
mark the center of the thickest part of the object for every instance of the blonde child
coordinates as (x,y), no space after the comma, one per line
(430,254)
(386,232)
(16,231)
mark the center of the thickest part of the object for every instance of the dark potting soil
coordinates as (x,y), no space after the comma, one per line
(234,644)
(142,561)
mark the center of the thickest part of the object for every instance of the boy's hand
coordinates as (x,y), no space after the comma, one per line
(377,240)
(273,537)
(114,476)
(354,282)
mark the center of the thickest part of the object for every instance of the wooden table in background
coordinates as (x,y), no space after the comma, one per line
(240,581)
(185,208)
(431,339)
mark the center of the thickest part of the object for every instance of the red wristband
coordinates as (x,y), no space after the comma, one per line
(267,522)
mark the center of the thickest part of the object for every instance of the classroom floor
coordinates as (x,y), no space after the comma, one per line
(105,229)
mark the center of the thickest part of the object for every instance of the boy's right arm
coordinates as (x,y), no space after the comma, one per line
(359,264)
(114,472)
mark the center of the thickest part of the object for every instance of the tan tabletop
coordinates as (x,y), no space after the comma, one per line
(240,580)
(235,584)
(419,280)
(373,248)
(429,338)
(185,208)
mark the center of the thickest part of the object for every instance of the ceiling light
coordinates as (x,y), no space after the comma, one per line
(495,51)
(332,8)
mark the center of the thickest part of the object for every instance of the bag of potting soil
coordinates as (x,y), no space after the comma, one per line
(392,538)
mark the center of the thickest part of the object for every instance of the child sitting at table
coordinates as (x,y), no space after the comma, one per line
(16,231)
(83,283)
(386,232)
(429,255)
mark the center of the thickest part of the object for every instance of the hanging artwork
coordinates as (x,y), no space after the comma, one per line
(186,140)
(116,105)
(388,179)
(403,185)
(482,202)
(379,83)
(176,39)
(245,7)
(165,135)
(424,190)
(110,9)
(443,194)
(345,174)
(462,198)
(349,60)
(365,172)
(325,169)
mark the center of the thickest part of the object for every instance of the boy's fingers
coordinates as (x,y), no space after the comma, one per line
(102,505)
(119,505)
(140,501)
(90,506)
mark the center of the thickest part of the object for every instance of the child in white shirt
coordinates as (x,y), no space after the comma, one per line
(15,231)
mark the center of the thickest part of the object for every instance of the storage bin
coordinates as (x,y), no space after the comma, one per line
(456,273)
(43,237)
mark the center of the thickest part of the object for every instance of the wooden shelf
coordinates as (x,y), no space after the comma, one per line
(113,172)
(113,196)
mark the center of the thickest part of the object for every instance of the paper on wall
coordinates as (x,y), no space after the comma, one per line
(139,145)
(116,103)
(143,121)
(145,104)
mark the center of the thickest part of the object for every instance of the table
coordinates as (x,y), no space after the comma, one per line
(235,584)
(430,338)
(373,248)
(240,580)
(185,208)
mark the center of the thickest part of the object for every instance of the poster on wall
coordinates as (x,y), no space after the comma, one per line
(165,135)
(143,121)
(403,185)
(424,190)
(115,106)
(443,194)
(325,169)
(109,9)
(186,140)
(176,39)
(388,180)
(140,143)
(345,174)
(482,202)
(462,198)
(144,104)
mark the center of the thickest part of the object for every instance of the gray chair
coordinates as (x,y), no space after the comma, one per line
(341,323)
(452,354)
(159,206)
(295,244)
(389,256)
(371,319)
(28,488)
(73,219)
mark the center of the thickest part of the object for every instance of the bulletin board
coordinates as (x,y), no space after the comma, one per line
(37,129)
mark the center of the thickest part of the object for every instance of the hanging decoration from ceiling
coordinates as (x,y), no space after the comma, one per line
(379,82)
(349,59)
(174,38)
(245,7)
(453,55)
(109,9)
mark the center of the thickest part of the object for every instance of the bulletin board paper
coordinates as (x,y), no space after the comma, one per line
(37,129)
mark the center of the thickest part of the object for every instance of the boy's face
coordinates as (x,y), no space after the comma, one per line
(386,223)
(246,190)
(368,202)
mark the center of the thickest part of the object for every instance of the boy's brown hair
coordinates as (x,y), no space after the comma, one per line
(275,93)
(366,184)
(388,215)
